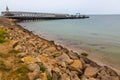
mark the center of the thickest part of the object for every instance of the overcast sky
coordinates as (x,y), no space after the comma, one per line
(63,6)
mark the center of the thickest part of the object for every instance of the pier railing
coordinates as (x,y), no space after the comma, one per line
(35,15)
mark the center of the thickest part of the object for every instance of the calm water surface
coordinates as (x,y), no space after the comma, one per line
(99,35)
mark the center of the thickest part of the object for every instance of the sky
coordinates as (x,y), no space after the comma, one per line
(63,6)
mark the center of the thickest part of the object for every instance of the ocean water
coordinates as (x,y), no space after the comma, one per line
(99,35)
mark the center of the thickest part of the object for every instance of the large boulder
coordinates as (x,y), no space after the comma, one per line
(74,75)
(65,76)
(18,48)
(43,76)
(91,71)
(33,67)
(55,75)
(65,58)
(76,66)
(50,49)
(105,73)
(33,75)
(73,55)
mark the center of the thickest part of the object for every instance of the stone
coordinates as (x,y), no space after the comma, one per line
(21,54)
(65,58)
(33,75)
(65,76)
(44,46)
(14,43)
(38,79)
(92,79)
(43,76)
(18,47)
(91,71)
(55,75)
(33,67)
(50,49)
(73,55)
(1,75)
(74,76)
(62,64)
(84,78)
(115,78)
(28,60)
(55,53)
(59,47)
(76,65)
(43,58)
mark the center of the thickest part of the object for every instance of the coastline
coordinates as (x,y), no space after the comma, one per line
(70,63)
(92,54)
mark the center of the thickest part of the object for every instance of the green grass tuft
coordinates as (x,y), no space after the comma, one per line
(4,55)
(22,70)
(2,38)
(42,68)
(49,77)
(84,54)
(3,67)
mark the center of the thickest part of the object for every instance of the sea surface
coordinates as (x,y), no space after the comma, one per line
(99,35)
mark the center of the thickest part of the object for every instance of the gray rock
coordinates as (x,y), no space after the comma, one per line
(21,54)
(73,55)
(55,75)
(65,58)
(18,47)
(34,75)
(34,67)
(74,76)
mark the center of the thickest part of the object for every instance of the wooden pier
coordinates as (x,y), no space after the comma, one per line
(37,16)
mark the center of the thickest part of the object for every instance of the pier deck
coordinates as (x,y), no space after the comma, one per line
(37,16)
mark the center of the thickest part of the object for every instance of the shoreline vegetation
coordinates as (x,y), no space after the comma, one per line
(26,56)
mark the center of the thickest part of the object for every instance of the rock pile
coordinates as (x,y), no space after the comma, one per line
(48,61)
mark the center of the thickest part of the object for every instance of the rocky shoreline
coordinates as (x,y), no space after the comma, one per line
(44,60)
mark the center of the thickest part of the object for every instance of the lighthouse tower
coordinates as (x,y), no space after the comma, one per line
(7,9)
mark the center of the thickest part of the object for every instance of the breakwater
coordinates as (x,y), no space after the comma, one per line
(43,59)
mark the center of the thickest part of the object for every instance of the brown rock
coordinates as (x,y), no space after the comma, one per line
(50,49)
(33,67)
(21,54)
(65,76)
(74,76)
(115,78)
(18,47)
(33,76)
(14,43)
(55,75)
(91,71)
(65,58)
(92,79)
(43,76)
(29,60)
(73,55)
(62,64)
(0,75)
(76,65)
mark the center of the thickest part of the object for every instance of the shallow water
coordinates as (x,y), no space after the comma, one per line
(99,35)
